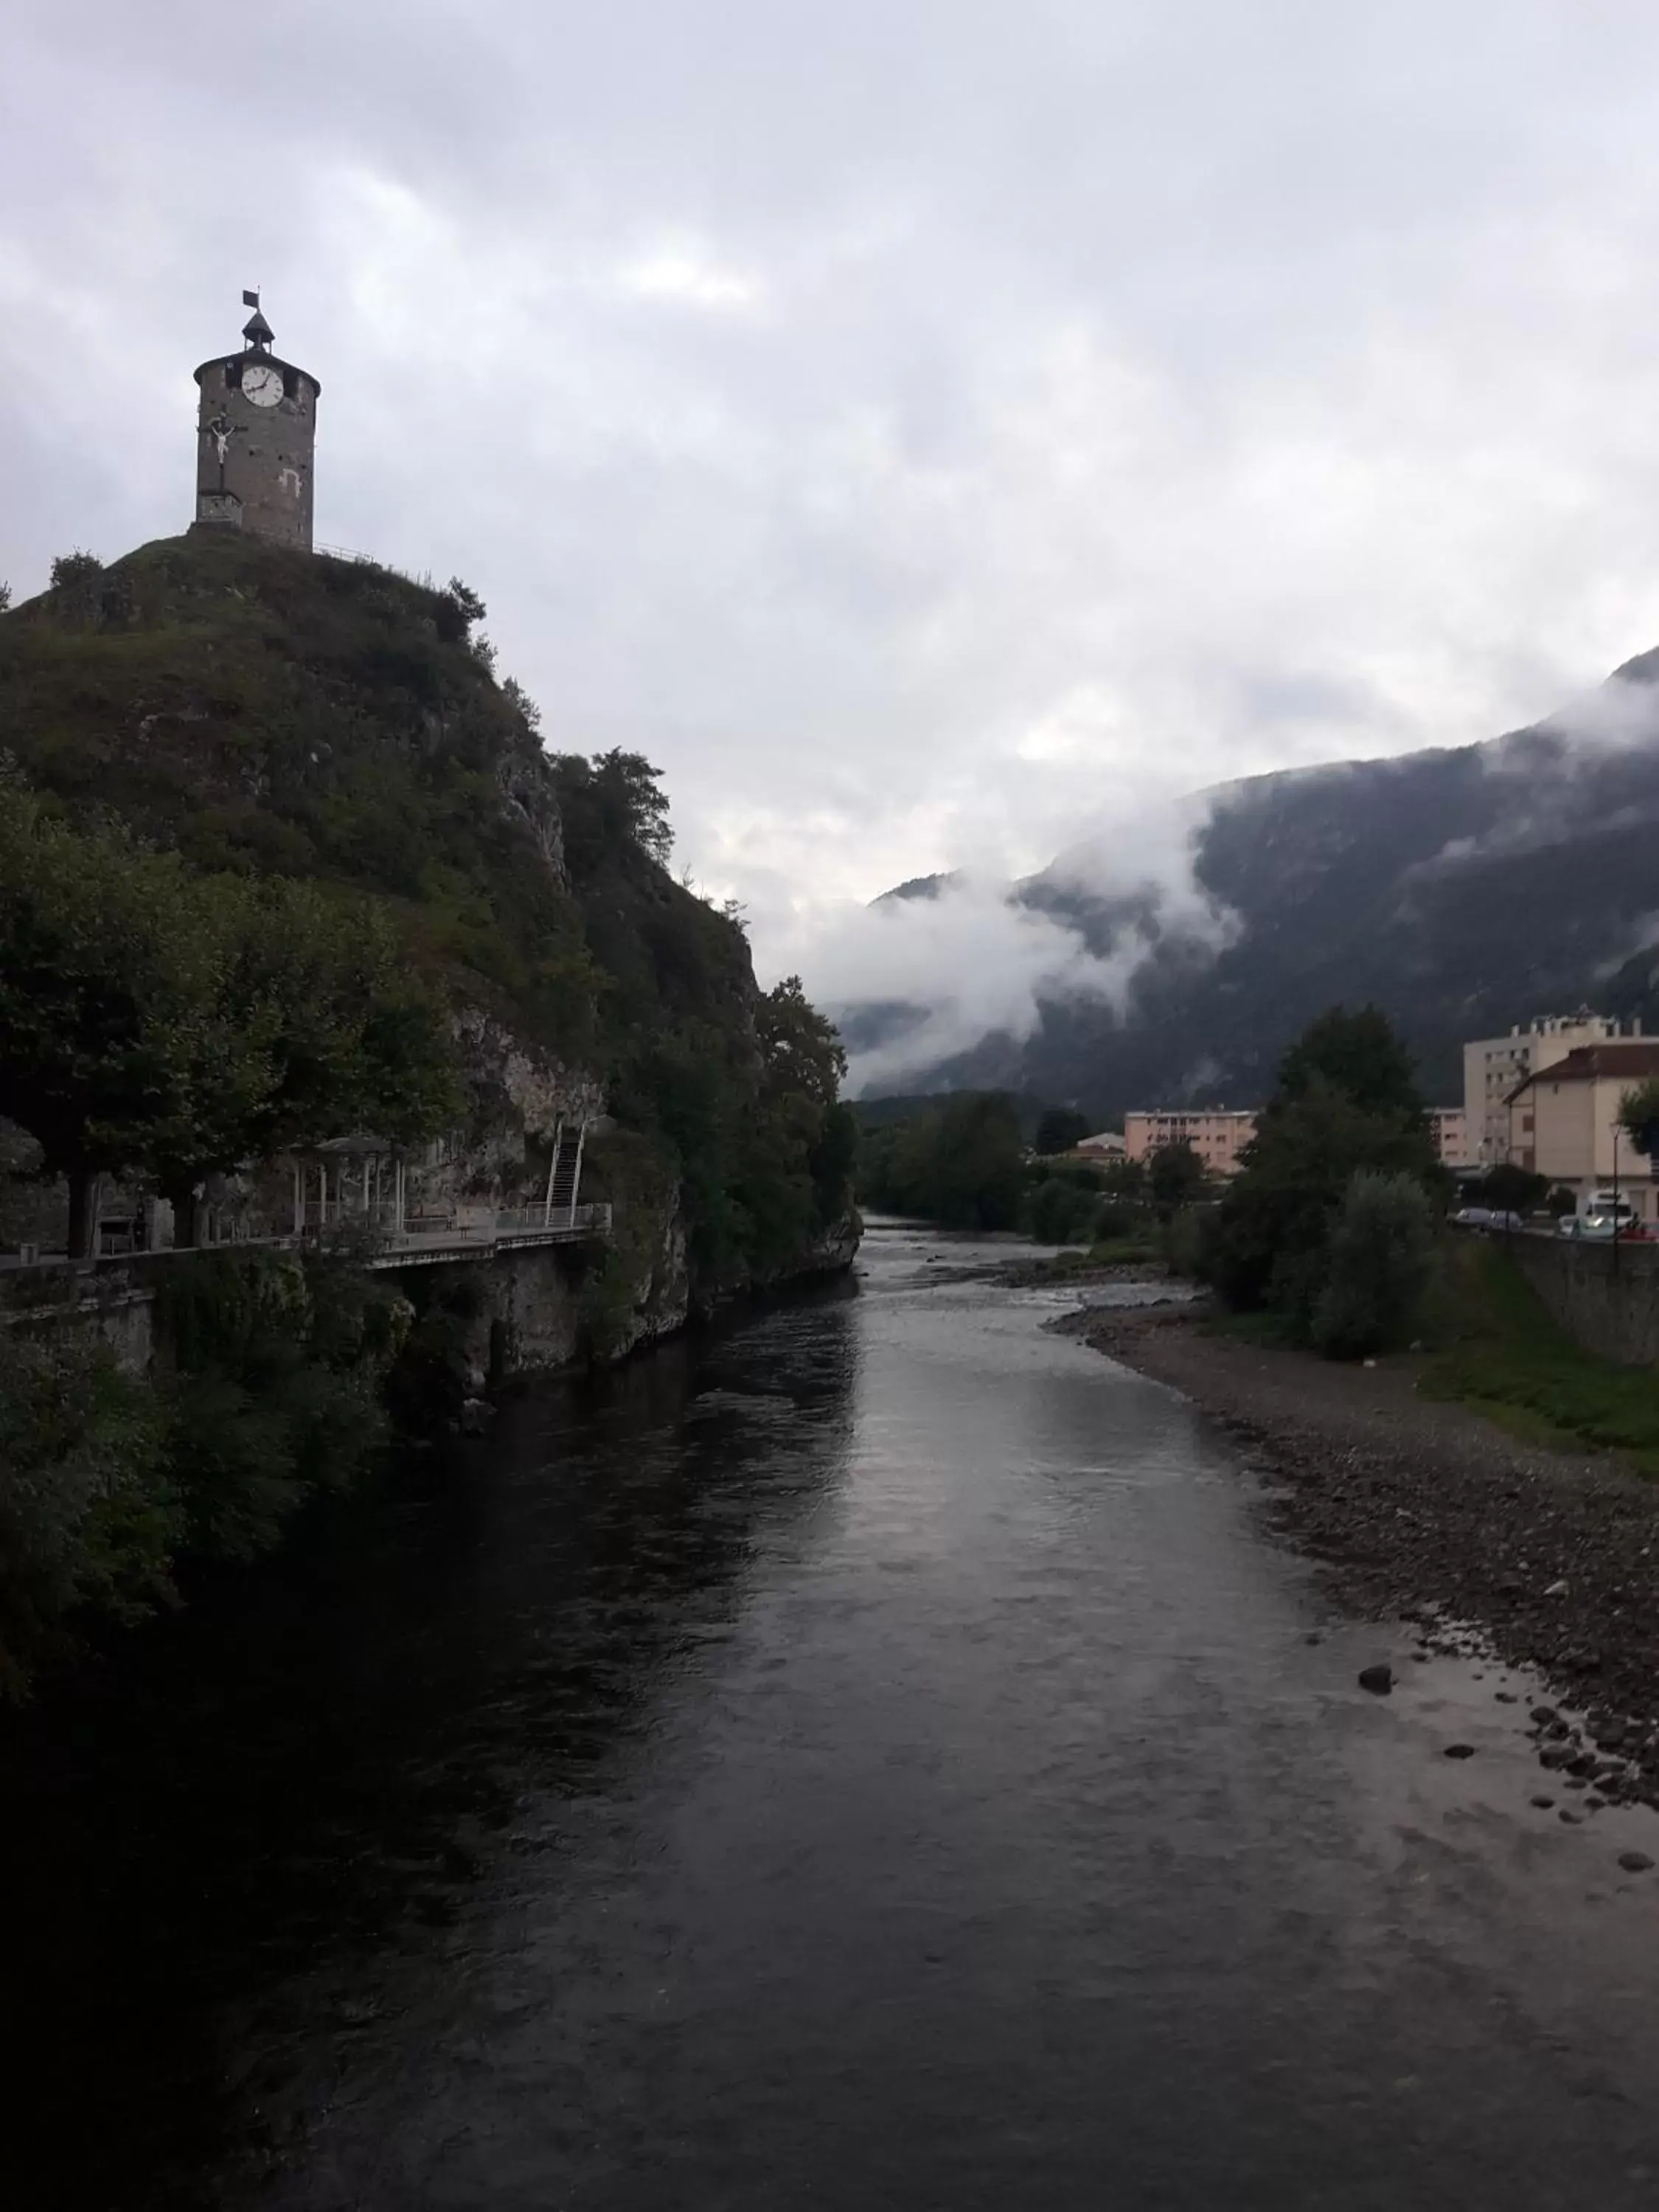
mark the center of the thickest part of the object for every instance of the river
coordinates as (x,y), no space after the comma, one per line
(873,1759)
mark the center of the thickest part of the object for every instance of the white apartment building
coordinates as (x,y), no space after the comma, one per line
(1493,1067)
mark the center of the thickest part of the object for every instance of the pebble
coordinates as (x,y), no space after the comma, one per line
(1635,1862)
(1543,1803)
(1571,1818)
(1460,1751)
(1378,1680)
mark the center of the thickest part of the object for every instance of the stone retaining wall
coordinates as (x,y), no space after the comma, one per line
(1607,1299)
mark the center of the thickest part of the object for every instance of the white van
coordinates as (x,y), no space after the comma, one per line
(1601,1216)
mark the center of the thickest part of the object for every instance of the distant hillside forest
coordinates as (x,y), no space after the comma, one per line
(270,827)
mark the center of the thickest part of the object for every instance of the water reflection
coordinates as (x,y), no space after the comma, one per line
(873,1761)
(206,1844)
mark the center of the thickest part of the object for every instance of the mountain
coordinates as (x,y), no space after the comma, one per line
(1461,890)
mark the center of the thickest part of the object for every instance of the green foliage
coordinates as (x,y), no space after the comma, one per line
(107,1482)
(470,606)
(152,1017)
(1510,1358)
(74,569)
(1059,1129)
(90,1514)
(254,714)
(960,1164)
(1343,1103)
(1058,1213)
(267,712)
(1186,1240)
(1639,1116)
(613,799)
(274,1392)
(1175,1176)
(1379,1259)
(1507,1188)
(1357,1055)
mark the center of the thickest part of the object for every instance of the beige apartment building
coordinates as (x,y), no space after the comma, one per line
(1493,1067)
(1564,1121)
(1448,1127)
(1216,1135)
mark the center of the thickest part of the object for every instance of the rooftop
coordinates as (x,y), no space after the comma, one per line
(1629,1060)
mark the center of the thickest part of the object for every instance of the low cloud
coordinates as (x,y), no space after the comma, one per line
(917,980)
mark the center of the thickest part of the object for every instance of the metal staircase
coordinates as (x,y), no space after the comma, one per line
(564,1175)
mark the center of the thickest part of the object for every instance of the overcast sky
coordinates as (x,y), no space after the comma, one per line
(921,426)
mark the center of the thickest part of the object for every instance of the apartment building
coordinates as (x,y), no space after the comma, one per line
(1564,1121)
(1449,1125)
(1216,1135)
(1493,1067)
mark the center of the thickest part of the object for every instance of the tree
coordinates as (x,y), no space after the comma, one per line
(470,606)
(107,964)
(1060,1129)
(75,568)
(1358,1054)
(801,1051)
(1508,1188)
(632,802)
(1175,1176)
(152,1019)
(614,799)
(1345,1100)
(318,993)
(960,1164)
(1379,1259)
(1639,1116)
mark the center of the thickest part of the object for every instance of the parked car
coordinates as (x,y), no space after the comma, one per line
(1488,1220)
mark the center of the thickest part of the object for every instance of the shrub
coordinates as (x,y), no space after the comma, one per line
(1379,1258)
(88,1515)
(1060,1213)
(75,568)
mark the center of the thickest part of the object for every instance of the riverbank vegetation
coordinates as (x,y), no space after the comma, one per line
(963,1162)
(1501,1350)
(1329,1228)
(113,1487)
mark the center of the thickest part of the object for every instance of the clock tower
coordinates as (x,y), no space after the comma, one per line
(256,432)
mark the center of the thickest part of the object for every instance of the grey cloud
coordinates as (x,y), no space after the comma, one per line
(921,426)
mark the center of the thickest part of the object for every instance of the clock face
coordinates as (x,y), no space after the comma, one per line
(262,384)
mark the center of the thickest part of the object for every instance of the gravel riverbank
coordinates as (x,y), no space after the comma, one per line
(1426,1514)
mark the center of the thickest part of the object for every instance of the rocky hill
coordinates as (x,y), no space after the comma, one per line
(276,712)
(1460,891)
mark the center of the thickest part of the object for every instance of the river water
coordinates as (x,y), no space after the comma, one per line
(875,1760)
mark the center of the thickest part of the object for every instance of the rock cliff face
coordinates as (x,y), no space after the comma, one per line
(269,711)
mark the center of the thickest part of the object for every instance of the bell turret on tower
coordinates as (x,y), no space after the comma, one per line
(256,437)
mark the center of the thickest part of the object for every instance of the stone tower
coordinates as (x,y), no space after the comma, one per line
(256,431)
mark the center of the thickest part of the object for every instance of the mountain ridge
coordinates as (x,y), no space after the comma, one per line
(1462,888)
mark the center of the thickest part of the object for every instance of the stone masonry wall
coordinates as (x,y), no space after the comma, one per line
(1607,1300)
